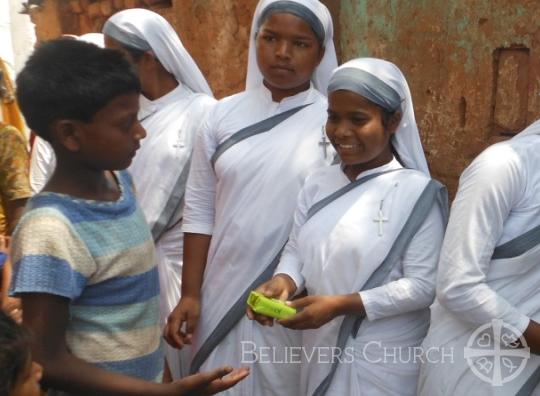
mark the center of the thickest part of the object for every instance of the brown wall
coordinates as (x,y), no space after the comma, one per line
(215,32)
(473,67)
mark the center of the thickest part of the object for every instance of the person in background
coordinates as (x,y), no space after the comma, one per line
(174,102)
(14,185)
(489,275)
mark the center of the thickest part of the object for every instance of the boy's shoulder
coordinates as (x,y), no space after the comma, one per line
(77,210)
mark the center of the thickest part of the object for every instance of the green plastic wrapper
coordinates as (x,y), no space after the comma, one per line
(271,307)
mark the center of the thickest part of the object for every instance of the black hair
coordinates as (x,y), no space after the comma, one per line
(135,53)
(14,352)
(71,79)
(386,117)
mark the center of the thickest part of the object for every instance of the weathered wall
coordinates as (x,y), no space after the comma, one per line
(472,65)
(473,68)
(215,32)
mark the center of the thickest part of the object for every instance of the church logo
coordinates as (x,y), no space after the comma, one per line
(497,353)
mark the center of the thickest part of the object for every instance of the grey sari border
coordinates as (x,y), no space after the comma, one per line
(252,130)
(517,246)
(317,206)
(529,386)
(232,317)
(172,211)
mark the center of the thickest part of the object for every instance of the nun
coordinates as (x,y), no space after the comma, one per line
(365,243)
(487,312)
(250,161)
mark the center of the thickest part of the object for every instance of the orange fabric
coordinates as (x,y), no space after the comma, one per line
(14,169)
(10,109)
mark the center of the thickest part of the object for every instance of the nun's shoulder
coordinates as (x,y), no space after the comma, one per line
(324,175)
(413,177)
(510,157)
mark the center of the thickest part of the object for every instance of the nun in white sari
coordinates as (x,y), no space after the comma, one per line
(489,278)
(161,166)
(365,244)
(242,191)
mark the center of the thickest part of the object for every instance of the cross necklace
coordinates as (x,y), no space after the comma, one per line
(380,219)
(324,142)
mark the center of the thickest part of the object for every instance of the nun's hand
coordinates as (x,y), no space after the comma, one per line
(316,311)
(281,287)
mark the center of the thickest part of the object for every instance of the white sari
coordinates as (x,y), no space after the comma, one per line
(497,202)
(337,250)
(249,215)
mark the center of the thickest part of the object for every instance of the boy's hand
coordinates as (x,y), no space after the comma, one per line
(281,287)
(185,314)
(211,382)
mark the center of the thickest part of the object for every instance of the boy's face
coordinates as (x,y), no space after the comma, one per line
(28,382)
(111,139)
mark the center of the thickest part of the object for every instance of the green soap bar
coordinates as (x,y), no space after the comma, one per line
(269,306)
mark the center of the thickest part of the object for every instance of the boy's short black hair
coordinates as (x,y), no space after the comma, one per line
(70,79)
(14,352)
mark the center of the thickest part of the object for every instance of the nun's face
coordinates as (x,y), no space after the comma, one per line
(356,129)
(287,52)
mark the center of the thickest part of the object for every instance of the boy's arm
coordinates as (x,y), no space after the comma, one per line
(47,316)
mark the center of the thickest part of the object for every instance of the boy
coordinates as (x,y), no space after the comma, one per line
(83,254)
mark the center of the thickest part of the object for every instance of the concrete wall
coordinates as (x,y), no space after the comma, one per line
(473,68)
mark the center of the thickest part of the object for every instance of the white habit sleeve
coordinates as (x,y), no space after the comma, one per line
(199,207)
(290,263)
(42,164)
(492,185)
(416,289)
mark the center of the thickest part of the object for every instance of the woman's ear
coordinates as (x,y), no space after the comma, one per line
(393,122)
(65,133)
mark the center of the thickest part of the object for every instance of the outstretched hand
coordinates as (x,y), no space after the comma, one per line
(210,383)
(281,287)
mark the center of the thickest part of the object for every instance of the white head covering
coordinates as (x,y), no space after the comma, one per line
(329,61)
(383,83)
(147,31)
(93,38)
